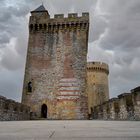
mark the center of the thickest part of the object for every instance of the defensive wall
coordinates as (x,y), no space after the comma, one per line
(125,107)
(13,111)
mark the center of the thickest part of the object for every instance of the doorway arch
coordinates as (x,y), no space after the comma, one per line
(44,111)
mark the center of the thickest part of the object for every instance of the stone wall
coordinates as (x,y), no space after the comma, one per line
(11,110)
(55,74)
(125,107)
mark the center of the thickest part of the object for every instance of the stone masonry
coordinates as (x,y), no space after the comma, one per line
(55,74)
(97,84)
(11,110)
(125,107)
(58,81)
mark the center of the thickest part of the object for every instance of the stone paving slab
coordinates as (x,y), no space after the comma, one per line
(70,130)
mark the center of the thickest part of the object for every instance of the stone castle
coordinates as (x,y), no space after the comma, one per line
(55,75)
(59,83)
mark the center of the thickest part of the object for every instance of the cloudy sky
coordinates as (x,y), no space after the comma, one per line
(114,39)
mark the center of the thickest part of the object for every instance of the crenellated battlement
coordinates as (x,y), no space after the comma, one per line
(57,16)
(98,66)
(125,107)
(60,16)
(59,22)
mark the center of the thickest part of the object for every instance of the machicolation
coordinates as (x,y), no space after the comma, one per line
(60,23)
(98,66)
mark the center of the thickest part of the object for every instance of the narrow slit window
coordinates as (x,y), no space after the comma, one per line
(30,87)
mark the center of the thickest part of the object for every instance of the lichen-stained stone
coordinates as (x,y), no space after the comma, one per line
(11,110)
(100,114)
(114,108)
(56,66)
(106,111)
(136,100)
(123,109)
(126,106)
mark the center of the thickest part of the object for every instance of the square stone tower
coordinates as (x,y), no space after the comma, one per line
(55,74)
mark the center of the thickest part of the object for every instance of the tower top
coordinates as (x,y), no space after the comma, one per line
(41,8)
(98,66)
(40,11)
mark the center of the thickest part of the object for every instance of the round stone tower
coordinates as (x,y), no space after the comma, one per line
(97,84)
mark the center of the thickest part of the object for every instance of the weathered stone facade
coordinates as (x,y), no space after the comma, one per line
(11,110)
(125,107)
(55,74)
(97,84)
(59,83)
(136,102)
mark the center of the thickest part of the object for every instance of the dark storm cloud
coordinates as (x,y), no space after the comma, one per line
(114,38)
(123,25)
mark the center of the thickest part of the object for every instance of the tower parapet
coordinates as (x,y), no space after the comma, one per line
(59,22)
(98,66)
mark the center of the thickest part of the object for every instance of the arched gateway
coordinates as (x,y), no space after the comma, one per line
(44,111)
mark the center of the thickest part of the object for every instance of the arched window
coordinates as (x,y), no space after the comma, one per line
(30,87)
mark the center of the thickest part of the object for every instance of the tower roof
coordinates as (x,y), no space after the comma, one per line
(41,8)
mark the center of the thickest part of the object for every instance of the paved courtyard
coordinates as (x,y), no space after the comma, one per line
(70,130)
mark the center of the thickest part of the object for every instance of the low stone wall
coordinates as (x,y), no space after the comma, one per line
(125,107)
(11,110)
